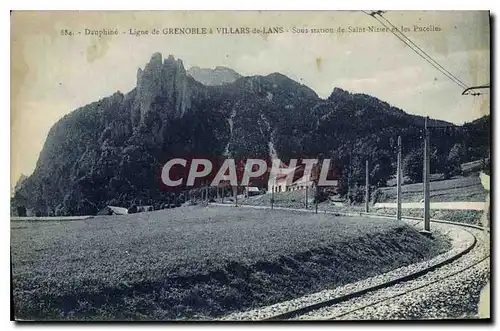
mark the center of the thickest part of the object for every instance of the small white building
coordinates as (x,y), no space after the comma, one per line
(301,184)
(279,182)
(251,190)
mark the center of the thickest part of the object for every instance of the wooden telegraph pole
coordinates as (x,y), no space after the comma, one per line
(349,177)
(367,187)
(427,172)
(316,197)
(317,170)
(306,195)
(272,197)
(399,178)
(235,189)
(206,193)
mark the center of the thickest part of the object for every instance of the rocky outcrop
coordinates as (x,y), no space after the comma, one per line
(164,86)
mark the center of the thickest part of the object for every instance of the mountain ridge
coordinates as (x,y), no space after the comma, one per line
(110,152)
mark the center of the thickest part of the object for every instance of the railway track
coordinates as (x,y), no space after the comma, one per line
(417,288)
(426,280)
(352,304)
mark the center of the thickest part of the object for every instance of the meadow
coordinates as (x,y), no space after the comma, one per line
(455,189)
(197,262)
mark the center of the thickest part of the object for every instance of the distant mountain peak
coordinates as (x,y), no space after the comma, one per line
(214,77)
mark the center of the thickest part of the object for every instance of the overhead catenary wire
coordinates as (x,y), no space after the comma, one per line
(425,57)
(423,52)
(403,38)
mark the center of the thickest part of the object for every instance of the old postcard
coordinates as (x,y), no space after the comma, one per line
(250,166)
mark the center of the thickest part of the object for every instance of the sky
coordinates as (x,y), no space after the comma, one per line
(53,74)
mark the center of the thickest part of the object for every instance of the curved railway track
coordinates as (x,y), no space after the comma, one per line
(417,288)
(296,313)
(369,296)
(372,299)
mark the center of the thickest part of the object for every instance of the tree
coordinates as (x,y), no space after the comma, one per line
(413,165)
(437,161)
(382,169)
(453,163)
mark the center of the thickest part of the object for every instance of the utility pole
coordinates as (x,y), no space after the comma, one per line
(427,172)
(316,198)
(235,189)
(399,178)
(349,177)
(319,167)
(367,187)
(206,194)
(306,195)
(272,197)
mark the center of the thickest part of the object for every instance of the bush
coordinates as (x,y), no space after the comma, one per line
(132,209)
(21,211)
(320,196)
(357,194)
(377,195)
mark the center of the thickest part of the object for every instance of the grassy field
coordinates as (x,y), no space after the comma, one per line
(293,199)
(458,189)
(461,216)
(197,262)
